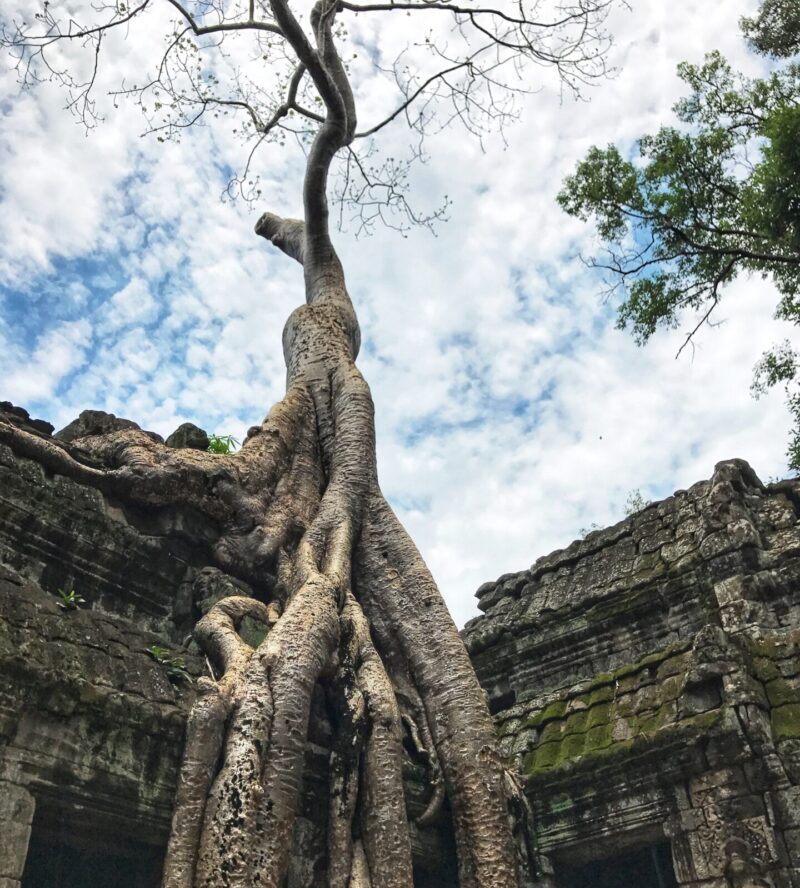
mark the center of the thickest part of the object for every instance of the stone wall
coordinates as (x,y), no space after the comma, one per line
(91,727)
(646,681)
(91,722)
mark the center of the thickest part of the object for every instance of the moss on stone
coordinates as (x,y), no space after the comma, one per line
(780,692)
(674,653)
(597,746)
(571,747)
(577,722)
(589,731)
(786,721)
(552,732)
(651,722)
(600,695)
(555,710)
(765,669)
(674,665)
(599,737)
(768,648)
(599,715)
(541,759)
(604,678)
(618,606)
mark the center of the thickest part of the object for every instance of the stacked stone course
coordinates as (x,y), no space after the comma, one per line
(645,680)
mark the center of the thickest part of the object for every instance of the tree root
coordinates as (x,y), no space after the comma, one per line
(399,593)
(54,456)
(205,731)
(352,604)
(383,827)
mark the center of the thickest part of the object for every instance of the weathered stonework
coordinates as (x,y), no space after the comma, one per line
(91,723)
(646,680)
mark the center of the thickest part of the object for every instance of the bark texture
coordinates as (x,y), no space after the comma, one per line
(349,602)
(350,605)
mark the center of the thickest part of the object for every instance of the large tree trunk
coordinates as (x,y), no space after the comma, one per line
(350,602)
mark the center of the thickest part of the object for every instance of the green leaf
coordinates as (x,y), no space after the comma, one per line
(222,444)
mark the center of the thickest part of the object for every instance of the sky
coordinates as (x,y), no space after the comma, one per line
(511,413)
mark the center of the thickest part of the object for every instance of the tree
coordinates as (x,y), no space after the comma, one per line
(347,598)
(702,203)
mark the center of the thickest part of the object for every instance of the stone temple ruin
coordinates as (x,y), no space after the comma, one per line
(646,681)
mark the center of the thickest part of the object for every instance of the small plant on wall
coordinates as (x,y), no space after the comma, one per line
(70,600)
(175,666)
(223,444)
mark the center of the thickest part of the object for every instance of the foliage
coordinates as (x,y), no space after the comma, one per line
(175,666)
(779,367)
(775,31)
(70,600)
(635,502)
(222,444)
(695,205)
(585,531)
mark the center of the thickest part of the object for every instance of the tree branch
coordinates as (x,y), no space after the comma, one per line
(249,25)
(415,95)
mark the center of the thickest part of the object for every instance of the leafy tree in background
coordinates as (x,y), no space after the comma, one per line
(775,31)
(702,203)
(351,606)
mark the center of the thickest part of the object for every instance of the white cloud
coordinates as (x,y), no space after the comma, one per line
(34,374)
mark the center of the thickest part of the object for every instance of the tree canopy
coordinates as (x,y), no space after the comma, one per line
(251,63)
(696,204)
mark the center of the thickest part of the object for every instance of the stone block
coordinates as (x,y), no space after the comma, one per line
(681,794)
(16,803)
(682,859)
(14,839)
(792,839)
(692,819)
(786,805)
(722,783)
(729,590)
(726,749)
(741,808)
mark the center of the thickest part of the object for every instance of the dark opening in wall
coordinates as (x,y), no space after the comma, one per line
(647,867)
(80,862)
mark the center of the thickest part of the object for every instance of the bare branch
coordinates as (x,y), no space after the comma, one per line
(411,99)
(249,24)
(474,80)
(714,294)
